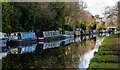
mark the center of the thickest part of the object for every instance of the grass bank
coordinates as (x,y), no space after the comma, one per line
(108,55)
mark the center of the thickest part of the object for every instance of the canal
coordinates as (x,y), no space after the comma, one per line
(68,53)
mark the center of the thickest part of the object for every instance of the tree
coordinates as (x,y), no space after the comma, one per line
(45,16)
(61,12)
(111,16)
(24,16)
(7,10)
(118,17)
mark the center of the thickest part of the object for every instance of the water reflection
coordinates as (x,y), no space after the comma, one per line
(85,59)
(3,52)
(76,51)
(68,53)
(51,44)
(22,49)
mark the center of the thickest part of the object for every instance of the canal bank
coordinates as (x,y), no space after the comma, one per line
(108,55)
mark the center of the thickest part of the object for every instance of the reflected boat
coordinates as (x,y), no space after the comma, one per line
(78,40)
(22,49)
(3,52)
(65,42)
(68,41)
(68,55)
(3,55)
(52,44)
(94,35)
(47,45)
(103,34)
(83,38)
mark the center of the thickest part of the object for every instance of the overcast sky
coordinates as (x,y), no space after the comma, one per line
(97,6)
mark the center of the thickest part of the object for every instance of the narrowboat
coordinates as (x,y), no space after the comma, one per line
(48,36)
(68,34)
(22,49)
(77,32)
(21,38)
(82,32)
(3,39)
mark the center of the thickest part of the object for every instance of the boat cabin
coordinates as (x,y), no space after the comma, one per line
(48,34)
(22,35)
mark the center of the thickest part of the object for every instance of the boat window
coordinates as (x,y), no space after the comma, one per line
(19,36)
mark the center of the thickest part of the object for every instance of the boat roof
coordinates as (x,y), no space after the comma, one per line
(22,32)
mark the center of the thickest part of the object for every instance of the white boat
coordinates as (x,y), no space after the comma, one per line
(68,34)
(48,36)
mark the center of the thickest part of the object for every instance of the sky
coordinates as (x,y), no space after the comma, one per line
(98,6)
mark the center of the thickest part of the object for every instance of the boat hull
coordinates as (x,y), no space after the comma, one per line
(19,42)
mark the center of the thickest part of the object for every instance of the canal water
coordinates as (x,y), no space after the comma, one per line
(68,53)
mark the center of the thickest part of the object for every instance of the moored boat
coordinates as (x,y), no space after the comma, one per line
(68,34)
(21,38)
(3,39)
(48,36)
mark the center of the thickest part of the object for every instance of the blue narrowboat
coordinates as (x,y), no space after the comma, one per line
(3,39)
(3,45)
(21,38)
